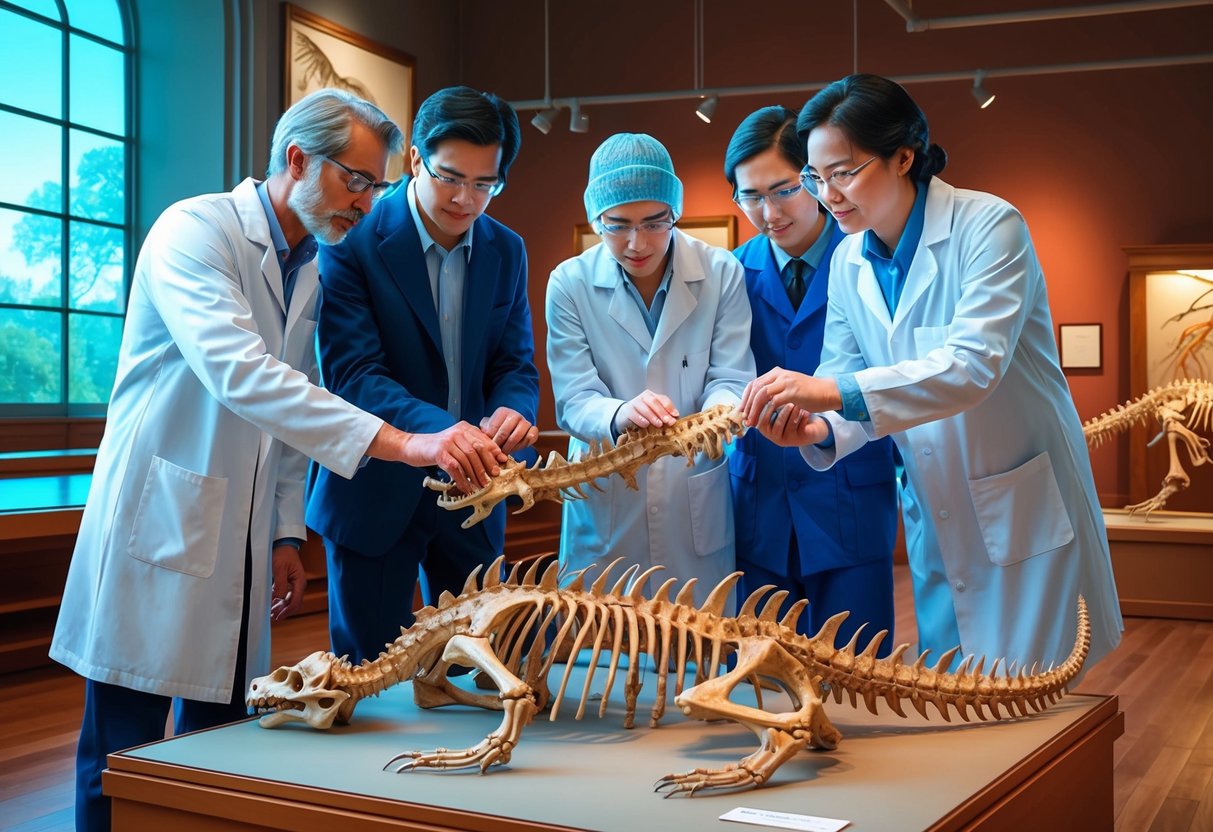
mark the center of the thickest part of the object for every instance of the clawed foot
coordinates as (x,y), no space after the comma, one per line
(492,751)
(495,749)
(734,777)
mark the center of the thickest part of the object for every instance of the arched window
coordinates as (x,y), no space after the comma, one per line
(65,212)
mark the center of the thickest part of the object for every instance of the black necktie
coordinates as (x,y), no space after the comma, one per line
(793,281)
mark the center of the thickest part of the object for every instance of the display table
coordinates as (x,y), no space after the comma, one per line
(1164,565)
(1053,770)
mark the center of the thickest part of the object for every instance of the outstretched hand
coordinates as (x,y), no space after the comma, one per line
(778,387)
(649,409)
(791,427)
(464,452)
(509,429)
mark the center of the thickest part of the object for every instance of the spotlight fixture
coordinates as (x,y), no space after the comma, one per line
(579,122)
(543,119)
(980,93)
(707,109)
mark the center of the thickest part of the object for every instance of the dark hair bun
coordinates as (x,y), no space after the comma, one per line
(934,160)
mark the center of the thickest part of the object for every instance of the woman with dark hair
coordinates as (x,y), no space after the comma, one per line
(822,535)
(938,333)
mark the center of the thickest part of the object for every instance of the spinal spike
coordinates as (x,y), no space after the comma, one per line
(636,590)
(793,614)
(946,659)
(662,595)
(512,580)
(577,580)
(829,630)
(532,574)
(771,608)
(550,579)
(618,589)
(751,603)
(714,605)
(686,595)
(600,584)
(470,585)
(445,599)
(492,575)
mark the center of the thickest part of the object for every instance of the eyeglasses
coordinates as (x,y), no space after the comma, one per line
(650,227)
(839,180)
(751,202)
(482,189)
(358,182)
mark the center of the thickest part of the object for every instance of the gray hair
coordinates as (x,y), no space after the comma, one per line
(319,125)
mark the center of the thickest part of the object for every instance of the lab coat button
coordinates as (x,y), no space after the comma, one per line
(653,509)
(960,586)
(943,515)
(926,451)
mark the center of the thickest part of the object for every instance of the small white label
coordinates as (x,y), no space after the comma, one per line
(784,820)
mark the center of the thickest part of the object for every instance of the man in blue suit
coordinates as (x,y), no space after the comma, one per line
(423,321)
(823,535)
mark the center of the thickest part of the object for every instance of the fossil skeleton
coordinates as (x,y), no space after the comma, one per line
(1181,408)
(705,432)
(498,628)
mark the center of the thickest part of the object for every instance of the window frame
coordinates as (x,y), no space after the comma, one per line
(65,407)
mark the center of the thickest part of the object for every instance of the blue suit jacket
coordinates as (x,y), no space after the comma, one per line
(844,516)
(381,349)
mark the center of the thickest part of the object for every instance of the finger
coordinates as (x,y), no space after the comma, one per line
(454,462)
(517,437)
(506,430)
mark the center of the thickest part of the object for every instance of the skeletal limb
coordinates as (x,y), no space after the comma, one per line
(518,705)
(1176,479)
(781,735)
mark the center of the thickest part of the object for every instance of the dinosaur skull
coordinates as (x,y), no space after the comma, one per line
(298,693)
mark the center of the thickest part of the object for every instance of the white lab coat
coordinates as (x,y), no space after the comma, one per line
(193,465)
(965,377)
(601,355)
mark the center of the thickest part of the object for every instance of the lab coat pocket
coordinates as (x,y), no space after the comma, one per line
(179,518)
(1020,512)
(711,509)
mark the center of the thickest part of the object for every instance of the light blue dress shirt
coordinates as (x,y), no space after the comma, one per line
(448,277)
(651,314)
(289,260)
(890,270)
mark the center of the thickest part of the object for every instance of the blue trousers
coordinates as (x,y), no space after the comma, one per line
(865,590)
(116,718)
(371,598)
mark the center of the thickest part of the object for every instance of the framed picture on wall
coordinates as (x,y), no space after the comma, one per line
(318,53)
(717,231)
(1080,346)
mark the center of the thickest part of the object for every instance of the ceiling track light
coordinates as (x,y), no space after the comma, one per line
(542,120)
(983,96)
(707,108)
(579,122)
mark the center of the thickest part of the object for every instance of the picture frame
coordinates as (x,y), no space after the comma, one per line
(1080,346)
(319,53)
(714,230)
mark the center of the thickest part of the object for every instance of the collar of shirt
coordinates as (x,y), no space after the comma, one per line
(651,314)
(815,252)
(426,240)
(289,259)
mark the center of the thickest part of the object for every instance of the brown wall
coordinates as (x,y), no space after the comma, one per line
(1095,161)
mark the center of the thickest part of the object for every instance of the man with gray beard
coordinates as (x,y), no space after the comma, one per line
(189,541)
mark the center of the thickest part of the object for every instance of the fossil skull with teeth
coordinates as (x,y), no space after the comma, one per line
(300,692)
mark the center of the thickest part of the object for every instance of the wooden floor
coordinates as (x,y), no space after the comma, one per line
(1162,672)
